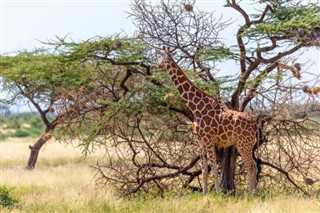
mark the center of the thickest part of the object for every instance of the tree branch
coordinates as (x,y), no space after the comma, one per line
(37,106)
(168,175)
(280,55)
(286,174)
(263,15)
(258,80)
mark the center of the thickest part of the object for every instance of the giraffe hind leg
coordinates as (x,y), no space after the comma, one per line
(250,164)
(203,158)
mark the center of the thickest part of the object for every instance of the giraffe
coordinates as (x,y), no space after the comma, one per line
(214,124)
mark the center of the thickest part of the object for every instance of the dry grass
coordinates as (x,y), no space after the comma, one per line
(62,177)
(63,182)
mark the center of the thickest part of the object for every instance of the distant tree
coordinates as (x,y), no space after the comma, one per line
(5,110)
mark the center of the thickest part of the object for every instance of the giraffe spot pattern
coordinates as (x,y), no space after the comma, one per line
(215,124)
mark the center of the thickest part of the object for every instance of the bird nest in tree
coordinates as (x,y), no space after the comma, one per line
(311,91)
(188,7)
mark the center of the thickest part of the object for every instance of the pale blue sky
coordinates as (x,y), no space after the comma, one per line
(25,22)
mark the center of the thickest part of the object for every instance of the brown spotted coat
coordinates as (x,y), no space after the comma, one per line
(214,125)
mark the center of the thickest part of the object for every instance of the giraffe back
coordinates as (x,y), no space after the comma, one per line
(215,122)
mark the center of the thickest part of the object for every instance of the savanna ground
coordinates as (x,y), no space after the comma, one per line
(64,182)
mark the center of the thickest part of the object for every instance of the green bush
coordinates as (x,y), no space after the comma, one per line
(24,125)
(19,133)
(3,137)
(7,198)
(36,122)
(35,132)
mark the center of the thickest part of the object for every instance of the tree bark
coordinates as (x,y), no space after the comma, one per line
(36,148)
(228,169)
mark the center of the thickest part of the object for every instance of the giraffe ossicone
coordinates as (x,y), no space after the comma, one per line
(214,125)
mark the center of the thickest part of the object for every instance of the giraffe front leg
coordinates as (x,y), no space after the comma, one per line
(214,167)
(204,167)
(203,158)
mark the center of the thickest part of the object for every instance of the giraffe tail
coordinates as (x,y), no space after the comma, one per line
(259,168)
(260,139)
(258,163)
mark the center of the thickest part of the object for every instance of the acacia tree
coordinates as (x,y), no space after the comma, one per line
(265,48)
(38,78)
(63,85)
(142,127)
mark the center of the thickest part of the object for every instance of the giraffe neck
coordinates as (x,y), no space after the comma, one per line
(188,91)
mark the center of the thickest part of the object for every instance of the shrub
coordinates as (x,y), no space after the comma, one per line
(36,122)
(21,133)
(7,198)
(3,136)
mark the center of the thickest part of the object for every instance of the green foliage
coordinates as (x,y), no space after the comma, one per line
(19,133)
(36,122)
(290,18)
(7,198)
(4,136)
(21,125)
(217,54)
(119,48)
(40,74)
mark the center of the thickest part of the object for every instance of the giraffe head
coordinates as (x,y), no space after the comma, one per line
(165,55)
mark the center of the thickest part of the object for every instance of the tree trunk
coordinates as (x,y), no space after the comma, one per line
(36,148)
(228,169)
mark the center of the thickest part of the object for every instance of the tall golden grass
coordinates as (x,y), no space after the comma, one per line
(64,182)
